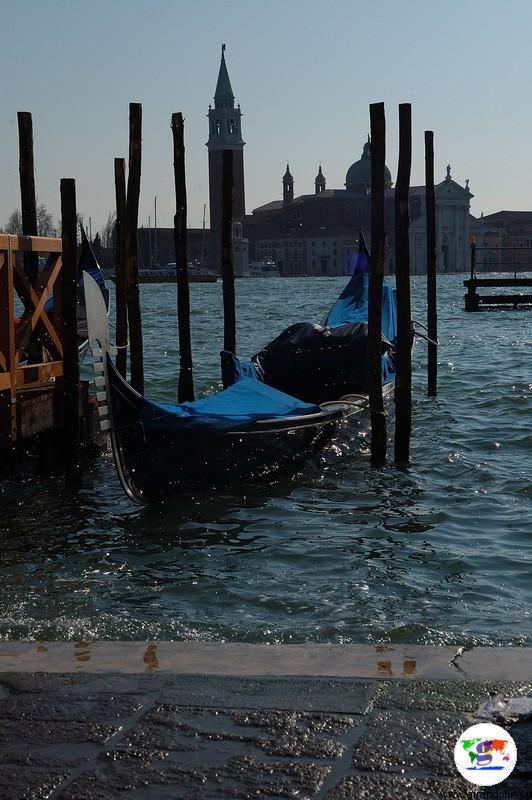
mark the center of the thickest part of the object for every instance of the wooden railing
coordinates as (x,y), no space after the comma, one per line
(31,350)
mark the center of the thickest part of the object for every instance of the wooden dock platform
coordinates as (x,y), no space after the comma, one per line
(475,301)
(31,347)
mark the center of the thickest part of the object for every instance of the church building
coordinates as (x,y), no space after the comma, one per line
(316,234)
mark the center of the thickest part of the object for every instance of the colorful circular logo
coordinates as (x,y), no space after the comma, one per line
(485,754)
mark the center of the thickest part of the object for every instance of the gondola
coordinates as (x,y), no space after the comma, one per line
(250,429)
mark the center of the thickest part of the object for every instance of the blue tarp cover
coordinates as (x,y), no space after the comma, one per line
(352,306)
(235,408)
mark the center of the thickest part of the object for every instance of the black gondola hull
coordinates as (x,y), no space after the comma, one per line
(153,464)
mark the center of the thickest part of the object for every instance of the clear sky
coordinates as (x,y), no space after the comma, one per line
(304,72)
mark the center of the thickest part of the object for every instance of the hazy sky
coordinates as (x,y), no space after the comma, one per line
(304,72)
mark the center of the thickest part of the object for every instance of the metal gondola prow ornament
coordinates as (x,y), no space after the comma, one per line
(99,345)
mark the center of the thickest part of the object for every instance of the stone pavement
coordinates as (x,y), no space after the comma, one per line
(155,734)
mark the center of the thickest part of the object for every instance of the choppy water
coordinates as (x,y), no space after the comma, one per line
(440,553)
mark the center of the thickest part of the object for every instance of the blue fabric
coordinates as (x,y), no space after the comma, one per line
(352,305)
(234,369)
(387,369)
(235,408)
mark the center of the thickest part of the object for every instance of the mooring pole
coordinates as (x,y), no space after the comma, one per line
(473,257)
(121,266)
(185,389)
(376,277)
(71,438)
(27,191)
(432,313)
(403,373)
(136,357)
(228,275)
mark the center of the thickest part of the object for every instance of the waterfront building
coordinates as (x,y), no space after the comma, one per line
(316,234)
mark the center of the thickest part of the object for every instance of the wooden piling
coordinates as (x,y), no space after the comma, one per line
(403,358)
(376,277)
(121,266)
(70,422)
(136,357)
(185,390)
(27,191)
(432,313)
(473,257)
(228,275)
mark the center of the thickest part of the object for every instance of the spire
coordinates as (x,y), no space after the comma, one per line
(288,186)
(319,181)
(224,90)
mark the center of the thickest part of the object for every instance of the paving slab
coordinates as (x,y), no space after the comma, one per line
(146,732)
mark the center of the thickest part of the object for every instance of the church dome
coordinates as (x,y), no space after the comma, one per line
(358,177)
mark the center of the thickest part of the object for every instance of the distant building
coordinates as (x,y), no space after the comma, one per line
(316,234)
(504,241)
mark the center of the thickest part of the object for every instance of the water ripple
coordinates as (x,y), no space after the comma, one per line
(439,553)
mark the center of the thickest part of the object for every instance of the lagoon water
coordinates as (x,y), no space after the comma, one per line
(438,554)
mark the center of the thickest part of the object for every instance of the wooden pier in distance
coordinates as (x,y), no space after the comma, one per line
(474,301)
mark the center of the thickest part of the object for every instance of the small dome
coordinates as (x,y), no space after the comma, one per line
(358,177)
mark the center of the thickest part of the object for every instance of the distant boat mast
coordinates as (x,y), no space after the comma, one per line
(203,237)
(155,235)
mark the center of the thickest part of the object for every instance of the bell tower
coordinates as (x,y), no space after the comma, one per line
(319,182)
(225,134)
(288,186)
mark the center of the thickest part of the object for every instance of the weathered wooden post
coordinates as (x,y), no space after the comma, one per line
(473,259)
(228,275)
(376,277)
(121,267)
(27,191)
(403,374)
(432,313)
(185,389)
(136,357)
(70,422)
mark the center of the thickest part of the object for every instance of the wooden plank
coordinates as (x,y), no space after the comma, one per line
(36,316)
(8,416)
(30,244)
(38,373)
(185,390)
(70,423)
(28,198)
(35,414)
(403,359)
(228,274)
(432,309)
(498,282)
(136,356)
(376,277)
(505,299)
(3,312)
(121,266)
